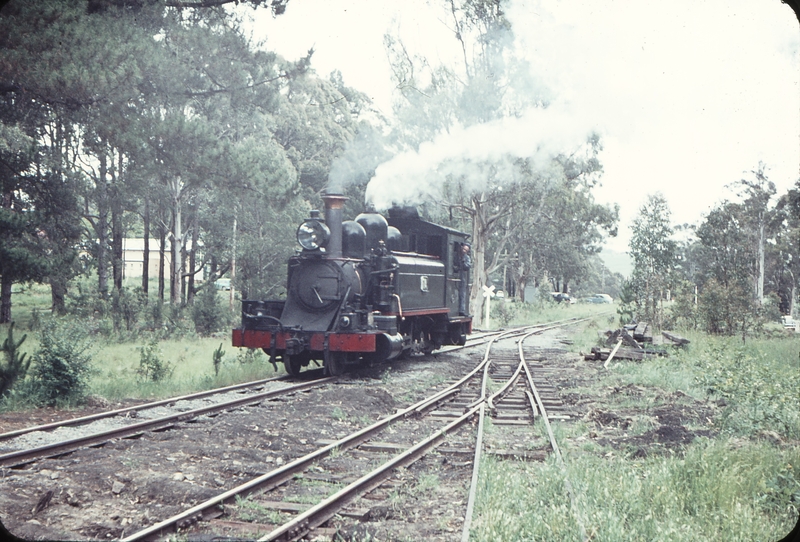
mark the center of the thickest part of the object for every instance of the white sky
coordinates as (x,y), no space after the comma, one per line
(688,95)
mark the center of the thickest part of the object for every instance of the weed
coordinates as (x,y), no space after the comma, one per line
(219,353)
(250,510)
(338,414)
(14,367)
(151,365)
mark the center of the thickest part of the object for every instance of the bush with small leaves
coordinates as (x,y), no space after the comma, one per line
(62,364)
(207,312)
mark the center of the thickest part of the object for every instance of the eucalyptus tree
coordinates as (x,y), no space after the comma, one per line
(562,227)
(757,193)
(653,251)
(507,196)
(438,99)
(315,121)
(788,244)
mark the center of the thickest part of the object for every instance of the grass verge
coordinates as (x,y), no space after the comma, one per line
(741,483)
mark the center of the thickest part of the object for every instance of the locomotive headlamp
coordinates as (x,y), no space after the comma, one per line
(313,234)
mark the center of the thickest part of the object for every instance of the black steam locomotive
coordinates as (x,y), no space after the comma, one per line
(361,292)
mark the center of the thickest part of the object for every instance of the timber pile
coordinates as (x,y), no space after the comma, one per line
(634,342)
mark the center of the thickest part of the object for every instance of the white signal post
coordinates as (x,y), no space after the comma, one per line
(488,293)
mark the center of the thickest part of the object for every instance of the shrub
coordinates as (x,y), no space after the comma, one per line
(14,367)
(627,303)
(207,313)
(502,311)
(176,324)
(683,313)
(755,399)
(151,365)
(155,315)
(62,363)
(250,355)
(126,307)
(726,309)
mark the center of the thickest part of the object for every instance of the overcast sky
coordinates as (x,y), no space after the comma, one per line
(688,96)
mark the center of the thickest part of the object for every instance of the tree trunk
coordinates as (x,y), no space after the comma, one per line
(5,299)
(478,255)
(177,244)
(521,284)
(191,291)
(233,262)
(162,256)
(102,229)
(146,248)
(760,285)
(117,263)
(5,282)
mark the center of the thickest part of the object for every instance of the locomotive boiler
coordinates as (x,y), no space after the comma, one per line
(361,291)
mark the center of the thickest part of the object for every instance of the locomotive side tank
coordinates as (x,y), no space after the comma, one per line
(360,292)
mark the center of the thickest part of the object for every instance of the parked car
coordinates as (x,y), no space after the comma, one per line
(598,298)
(223,284)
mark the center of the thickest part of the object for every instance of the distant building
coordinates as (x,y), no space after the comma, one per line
(133,257)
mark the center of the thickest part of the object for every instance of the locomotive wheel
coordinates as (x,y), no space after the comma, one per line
(292,364)
(334,363)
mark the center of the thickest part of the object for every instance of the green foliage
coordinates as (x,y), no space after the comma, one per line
(502,311)
(155,315)
(627,303)
(151,363)
(126,307)
(86,301)
(247,356)
(207,313)
(726,310)
(13,367)
(62,364)
(218,355)
(684,312)
(653,252)
(756,400)
(717,490)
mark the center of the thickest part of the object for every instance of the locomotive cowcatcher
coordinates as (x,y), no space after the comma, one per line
(361,292)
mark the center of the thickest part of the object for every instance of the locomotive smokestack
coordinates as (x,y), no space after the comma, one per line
(334,203)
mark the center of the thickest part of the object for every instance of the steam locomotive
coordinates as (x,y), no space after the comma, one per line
(361,291)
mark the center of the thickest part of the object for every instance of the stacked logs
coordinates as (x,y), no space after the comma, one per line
(634,342)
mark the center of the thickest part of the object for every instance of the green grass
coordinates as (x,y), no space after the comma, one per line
(720,490)
(27,298)
(511,313)
(115,377)
(192,363)
(741,485)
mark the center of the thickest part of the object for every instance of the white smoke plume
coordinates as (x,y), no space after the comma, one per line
(464,154)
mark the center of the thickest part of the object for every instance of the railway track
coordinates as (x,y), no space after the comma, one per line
(376,458)
(351,468)
(85,431)
(47,440)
